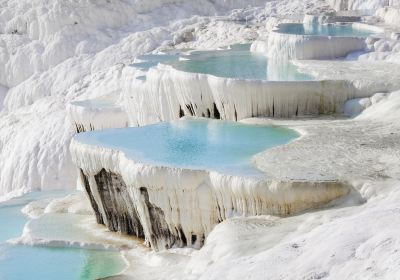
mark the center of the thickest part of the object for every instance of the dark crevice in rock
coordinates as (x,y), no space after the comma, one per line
(236,117)
(93,203)
(79,128)
(120,211)
(161,236)
(208,113)
(273,108)
(181,112)
(182,236)
(190,108)
(217,115)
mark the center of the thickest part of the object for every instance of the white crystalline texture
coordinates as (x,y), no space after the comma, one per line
(355,106)
(3,92)
(358,242)
(341,5)
(169,94)
(292,46)
(391,15)
(56,52)
(96,114)
(383,105)
(51,32)
(41,157)
(179,206)
(330,18)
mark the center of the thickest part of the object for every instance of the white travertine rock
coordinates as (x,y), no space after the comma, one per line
(94,114)
(354,107)
(169,94)
(341,5)
(192,202)
(294,46)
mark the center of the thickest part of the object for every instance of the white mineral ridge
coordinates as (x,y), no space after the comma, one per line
(357,238)
(68,222)
(55,52)
(52,53)
(3,93)
(99,113)
(360,4)
(195,200)
(166,91)
(391,15)
(345,242)
(354,107)
(290,46)
(386,109)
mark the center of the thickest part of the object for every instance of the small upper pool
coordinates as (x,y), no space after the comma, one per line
(193,143)
(331,29)
(146,61)
(238,62)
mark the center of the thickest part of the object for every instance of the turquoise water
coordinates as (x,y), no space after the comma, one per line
(23,262)
(19,262)
(197,144)
(150,60)
(337,30)
(240,63)
(13,222)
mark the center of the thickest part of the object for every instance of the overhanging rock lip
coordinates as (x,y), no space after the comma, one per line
(131,170)
(186,204)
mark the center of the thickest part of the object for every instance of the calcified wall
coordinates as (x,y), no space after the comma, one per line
(329,18)
(341,5)
(290,46)
(86,118)
(40,34)
(173,206)
(168,94)
(391,15)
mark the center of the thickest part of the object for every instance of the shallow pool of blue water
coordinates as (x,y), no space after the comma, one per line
(238,62)
(25,262)
(193,143)
(145,62)
(336,30)
(18,262)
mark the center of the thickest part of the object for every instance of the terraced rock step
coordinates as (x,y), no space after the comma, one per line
(176,203)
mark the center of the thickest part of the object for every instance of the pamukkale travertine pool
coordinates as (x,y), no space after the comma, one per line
(47,263)
(237,62)
(193,143)
(316,41)
(315,29)
(146,61)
